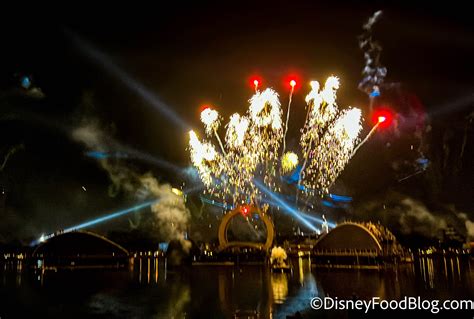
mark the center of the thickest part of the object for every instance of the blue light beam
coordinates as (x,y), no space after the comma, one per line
(98,220)
(104,61)
(216,203)
(319,220)
(108,217)
(129,153)
(281,203)
(308,216)
(340,198)
(105,218)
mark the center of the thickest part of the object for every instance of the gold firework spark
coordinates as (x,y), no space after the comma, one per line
(252,144)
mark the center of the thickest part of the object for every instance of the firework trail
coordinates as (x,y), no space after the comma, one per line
(12,151)
(411,175)
(292,84)
(255,83)
(374,72)
(372,131)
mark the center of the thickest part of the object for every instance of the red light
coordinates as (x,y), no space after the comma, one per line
(204,107)
(382,117)
(254,81)
(292,80)
(245,211)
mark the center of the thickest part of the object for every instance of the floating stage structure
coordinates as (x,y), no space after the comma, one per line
(358,245)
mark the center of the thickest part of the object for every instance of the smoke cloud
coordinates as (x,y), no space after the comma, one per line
(470,228)
(414,217)
(409,216)
(96,139)
(468,223)
(374,72)
(170,217)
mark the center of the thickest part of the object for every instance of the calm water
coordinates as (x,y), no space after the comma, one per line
(148,290)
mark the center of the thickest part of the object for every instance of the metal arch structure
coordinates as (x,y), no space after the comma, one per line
(125,251)
(224,225)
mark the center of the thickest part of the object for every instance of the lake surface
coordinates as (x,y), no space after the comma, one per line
(148,289)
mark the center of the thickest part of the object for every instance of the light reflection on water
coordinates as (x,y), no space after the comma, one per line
(147,288)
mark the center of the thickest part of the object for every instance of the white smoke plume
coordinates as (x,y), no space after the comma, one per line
(171,216)
(470,228)
(403,214)
(409,216)
(96,139)
(90,134)
(374,72)
(469,225)
(416,218)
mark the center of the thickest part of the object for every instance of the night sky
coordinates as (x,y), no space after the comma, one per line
(187,56)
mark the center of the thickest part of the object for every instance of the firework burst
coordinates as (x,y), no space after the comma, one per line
(253,142)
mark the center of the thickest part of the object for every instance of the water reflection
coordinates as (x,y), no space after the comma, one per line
(147,288)
(302,287)
(300,270)
(279,283)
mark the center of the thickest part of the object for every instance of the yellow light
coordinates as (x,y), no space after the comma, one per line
(289,162)
(177,191)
